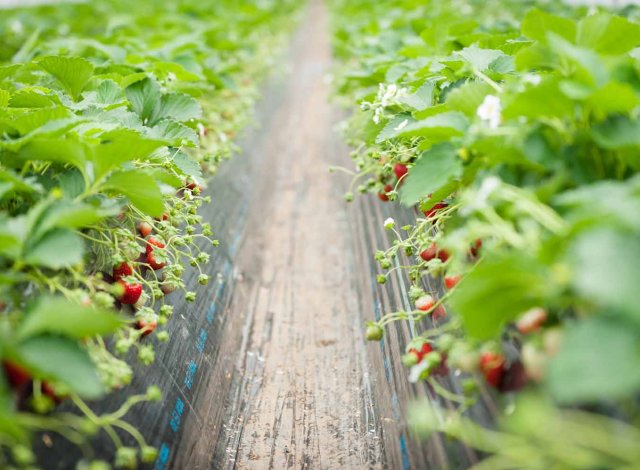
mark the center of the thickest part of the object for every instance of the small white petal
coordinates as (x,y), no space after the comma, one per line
(376,115)
(417,370)
(490,110)
(532,78)
(402,125)
(389,223)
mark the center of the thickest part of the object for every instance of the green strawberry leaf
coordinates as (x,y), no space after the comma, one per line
(72,72)
(5,96)
(608,34)
(496,291)
(436,128)
(34,97)
(144,96)
(422,98)
(436,168)
(617,132)
(468,97)
(537,23)
(62,360)
(543,100)
(606,273)
(584,373)
(68,214)
(59,248)
(186,164)
(176,106)
(479,59)
(175,133)
(58,316)
(108,93)
(614,98)
(11,237)
(120,146)
(64,151)
(32,119)
(140,188)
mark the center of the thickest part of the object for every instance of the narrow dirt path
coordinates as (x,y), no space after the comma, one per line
(302,398)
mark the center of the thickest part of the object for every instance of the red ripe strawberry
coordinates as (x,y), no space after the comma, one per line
(144,229)
(531,320)
(475,248)
(439,312)
(384,194)
(443,255)
(400,170)
(16,375)
(147,327)
(425,349)
(127,293)
(425,303)
(492,366)
(430,253)
(431,212)
(514,378)
(122,270)
(152,245)
(451,281)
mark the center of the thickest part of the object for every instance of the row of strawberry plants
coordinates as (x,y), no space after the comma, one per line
(113,115)
(512,128)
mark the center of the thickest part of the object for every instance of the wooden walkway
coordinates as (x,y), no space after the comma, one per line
(299,395)
(302,400)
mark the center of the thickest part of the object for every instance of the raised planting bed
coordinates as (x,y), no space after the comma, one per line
(510,132)
(113,118)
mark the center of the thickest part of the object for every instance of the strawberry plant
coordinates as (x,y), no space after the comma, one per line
(113,116)
(511,130)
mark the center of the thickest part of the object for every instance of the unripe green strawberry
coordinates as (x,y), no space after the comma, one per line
(374,332)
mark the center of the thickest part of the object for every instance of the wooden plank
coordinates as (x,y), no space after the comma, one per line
(301,395)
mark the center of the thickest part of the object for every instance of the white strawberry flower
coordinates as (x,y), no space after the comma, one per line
(389,223)
(491,111)
(387,95)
